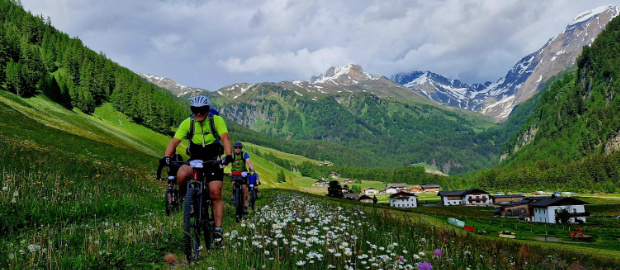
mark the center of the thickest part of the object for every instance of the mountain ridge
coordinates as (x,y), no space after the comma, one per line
(498,99)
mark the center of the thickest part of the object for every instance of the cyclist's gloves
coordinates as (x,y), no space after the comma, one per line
(227,160)
(165,161)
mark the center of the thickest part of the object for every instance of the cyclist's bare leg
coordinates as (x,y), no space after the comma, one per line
(184,174)
(215,187)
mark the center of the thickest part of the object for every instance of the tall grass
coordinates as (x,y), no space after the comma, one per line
(299,231)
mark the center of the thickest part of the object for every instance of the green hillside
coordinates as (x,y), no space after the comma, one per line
(64,171)
(570,141)
(374,132)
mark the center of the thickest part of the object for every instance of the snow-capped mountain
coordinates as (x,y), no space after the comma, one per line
(170,85)
(498,99)
(336,80)
(347,75)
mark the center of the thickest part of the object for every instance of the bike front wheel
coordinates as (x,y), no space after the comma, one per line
(191,225)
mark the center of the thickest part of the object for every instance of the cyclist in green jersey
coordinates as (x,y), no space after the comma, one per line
(203,146)
(240,160)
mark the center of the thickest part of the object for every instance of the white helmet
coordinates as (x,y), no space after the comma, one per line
(244,174)
(200,101)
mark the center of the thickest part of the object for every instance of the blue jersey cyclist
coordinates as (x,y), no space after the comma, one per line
(254,180)
(203,145)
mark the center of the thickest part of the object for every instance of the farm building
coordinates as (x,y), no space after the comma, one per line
(465,197)
(403,199)
(320,183)
(371,191)
(430,188)
(518,209)
(394,188)
(366,199)
(507,199)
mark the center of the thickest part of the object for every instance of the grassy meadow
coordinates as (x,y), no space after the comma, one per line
(78,191)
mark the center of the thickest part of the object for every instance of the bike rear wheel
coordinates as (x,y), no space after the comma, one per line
(239,204)
(191,225)
(252,198)
(209,225)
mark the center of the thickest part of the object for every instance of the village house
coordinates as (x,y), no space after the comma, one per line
(507,199)
(320,183)
(430,188)
(334,175)
(366,199)
(415,189)
(371,191)
(545,209)
(465,197)
(348,181)
(394,188)
(520,209)
(403,199)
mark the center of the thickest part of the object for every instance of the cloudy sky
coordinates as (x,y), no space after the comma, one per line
(211,44)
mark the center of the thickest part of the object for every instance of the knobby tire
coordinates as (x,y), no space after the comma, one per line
(239,204)
(191,225)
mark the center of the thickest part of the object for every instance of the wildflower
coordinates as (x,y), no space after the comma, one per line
(266,252)
(301,263)
(425,266)
(437,252)
(170,258)
(32,248)
(422,253)
(5,189)
(402,259)
(15,194)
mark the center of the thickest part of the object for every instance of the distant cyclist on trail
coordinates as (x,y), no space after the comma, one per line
(203,146)
(240,160)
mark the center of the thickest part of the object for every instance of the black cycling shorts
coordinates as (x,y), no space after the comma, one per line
(213,172)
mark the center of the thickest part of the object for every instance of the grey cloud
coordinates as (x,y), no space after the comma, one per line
(211,44)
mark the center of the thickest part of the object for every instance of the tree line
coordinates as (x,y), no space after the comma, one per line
(38,59)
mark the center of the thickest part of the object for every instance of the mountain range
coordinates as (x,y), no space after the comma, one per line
(499,98)
(429,116)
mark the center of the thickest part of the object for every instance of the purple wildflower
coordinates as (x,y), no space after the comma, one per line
(402,259)
(425,266)
(438,252)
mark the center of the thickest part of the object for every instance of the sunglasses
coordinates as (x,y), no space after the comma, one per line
(200,110)
(238,147)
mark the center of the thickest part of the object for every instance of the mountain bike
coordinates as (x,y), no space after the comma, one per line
(172,198)
(238,179)
(198,218)
(252,195)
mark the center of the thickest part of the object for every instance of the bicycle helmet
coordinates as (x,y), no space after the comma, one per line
(238,145)
(200,101)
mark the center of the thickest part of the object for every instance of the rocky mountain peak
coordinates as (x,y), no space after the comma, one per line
(526,77)
(349,74)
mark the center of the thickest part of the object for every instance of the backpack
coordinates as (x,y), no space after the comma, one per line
(192,126)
